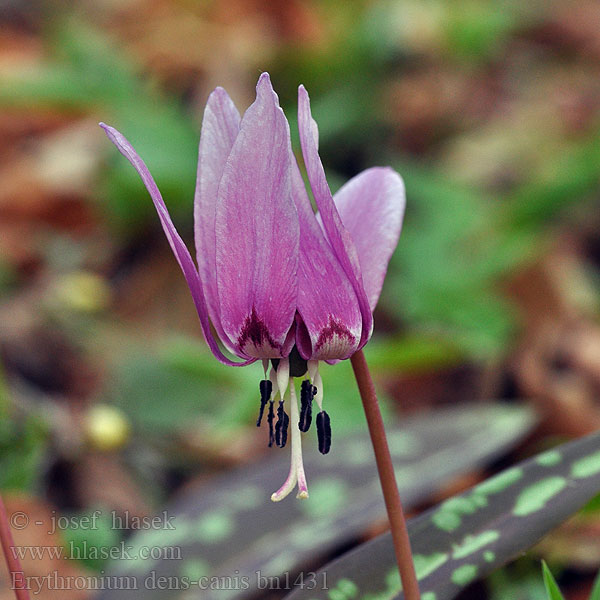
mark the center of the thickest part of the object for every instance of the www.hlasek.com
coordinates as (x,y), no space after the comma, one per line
(83,551)
(54,581)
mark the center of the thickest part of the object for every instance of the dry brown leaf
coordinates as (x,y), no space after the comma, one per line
(45,570)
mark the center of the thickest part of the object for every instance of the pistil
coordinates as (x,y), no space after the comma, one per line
(296,474)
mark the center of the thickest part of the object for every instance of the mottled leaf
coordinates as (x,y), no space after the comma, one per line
(231,528)
(470,535)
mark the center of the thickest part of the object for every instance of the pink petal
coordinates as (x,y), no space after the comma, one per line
(371,206)
(338,236)
(177,245)
(220,127)
(331,323)
(257,232)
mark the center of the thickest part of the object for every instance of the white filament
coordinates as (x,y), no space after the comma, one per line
(313,372)
(283,376)
(273,380)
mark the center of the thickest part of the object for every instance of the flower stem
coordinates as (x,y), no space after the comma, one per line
(11,559)
(387,477)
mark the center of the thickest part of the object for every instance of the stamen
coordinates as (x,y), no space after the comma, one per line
(307,392)
(296,474)
(273,380)
(313,371)
(281,427)
(283,376)
(266,388)
(324,432)
(270,419)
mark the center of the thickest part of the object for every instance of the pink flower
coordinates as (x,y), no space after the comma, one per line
(276,281)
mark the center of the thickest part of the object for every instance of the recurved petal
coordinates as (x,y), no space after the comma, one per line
(331,322)
(371,206)
(220,128)
(257,232)
(338,236)
(177,245)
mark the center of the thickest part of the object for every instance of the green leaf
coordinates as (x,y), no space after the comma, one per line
(552,588)
(595,595)
(470,535)
(230,527)
(22,452)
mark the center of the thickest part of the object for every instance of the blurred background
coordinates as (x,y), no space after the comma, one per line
(490,110)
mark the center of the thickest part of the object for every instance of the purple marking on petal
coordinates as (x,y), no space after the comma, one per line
(254,331)
(257,228)
(333,340)
(333,329)
(177,245)
(338,236)
(371,206)
(220,128)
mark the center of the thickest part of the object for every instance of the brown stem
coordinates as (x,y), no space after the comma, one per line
(17,579)
(387,477)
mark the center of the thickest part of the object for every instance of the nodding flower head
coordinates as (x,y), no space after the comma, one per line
(277,281)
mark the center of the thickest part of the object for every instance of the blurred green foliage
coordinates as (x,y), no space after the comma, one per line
(458,242)
(446,271)
(22,445)
(521,580)
(95,545)
(89,74)
(181,386)
(461,240)
(22,449)
(595,595)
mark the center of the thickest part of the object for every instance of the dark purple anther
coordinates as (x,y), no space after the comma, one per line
(307,393)
(266,387)
(324,432)
(281,427)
